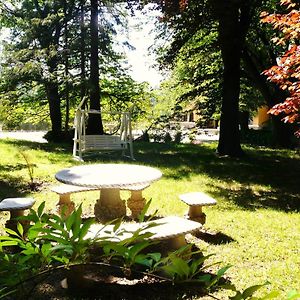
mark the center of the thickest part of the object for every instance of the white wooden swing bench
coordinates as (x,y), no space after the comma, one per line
(120,141)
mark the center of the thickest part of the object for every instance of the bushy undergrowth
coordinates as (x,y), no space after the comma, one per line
(54,242)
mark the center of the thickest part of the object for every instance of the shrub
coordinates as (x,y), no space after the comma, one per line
(52,242)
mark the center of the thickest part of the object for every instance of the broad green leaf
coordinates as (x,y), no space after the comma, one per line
(293,295)
(156,256)
(144,260)
(67,248)
(20,229)
(220,273)
(223,270)
(196,265)
(35,230)
(64,260)
(117,224)
(116,248)
(41,208)
(141,216)
(9,238)
(135,249)
(70,221)
(252,289)
(85,228)
(8,243)
(30,251)
(46,249)
(32,216)
(54,238)
(77,222)
(11,232)
(180,266)
(60,228)
(271,295)
(204,278)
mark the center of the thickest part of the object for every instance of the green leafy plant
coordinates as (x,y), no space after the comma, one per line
(167,138)
(127,248)
(51,241)
(249,292)
(142,215)
(178,137)
(293,295)
(185,265)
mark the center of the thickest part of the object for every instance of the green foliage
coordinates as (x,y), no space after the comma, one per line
(178,137)
(52,241)
(49,242)
(293,295)
(257,137)
(141,216)
(46,42)
(249,292)
(127,248)
(185,265)
(167,138)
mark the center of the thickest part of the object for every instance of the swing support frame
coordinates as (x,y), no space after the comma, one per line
(119,141)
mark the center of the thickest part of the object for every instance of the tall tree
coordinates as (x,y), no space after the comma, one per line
(95,125)
(234,20)
(36,28)
(51,46)
(233,17)
(82,50)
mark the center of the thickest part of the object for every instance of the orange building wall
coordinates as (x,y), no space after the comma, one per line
(262,117)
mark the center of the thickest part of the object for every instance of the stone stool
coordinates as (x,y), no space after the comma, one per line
(195,201)
(16,207)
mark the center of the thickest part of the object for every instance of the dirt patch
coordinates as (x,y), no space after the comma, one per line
(104,283)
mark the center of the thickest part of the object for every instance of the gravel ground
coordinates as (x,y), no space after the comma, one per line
(37,136)
(33,136)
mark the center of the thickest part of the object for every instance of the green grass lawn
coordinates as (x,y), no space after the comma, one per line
(255,227)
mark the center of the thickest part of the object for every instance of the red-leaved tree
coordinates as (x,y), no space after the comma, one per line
(287,71)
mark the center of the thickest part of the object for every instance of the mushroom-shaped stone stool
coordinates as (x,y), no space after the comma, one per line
(195,201)
(16,207)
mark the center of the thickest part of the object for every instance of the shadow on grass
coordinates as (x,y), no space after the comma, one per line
(10,167)
(274,173)
(264,178)
(246,198)
(62,149)
(11,187)
(217,238)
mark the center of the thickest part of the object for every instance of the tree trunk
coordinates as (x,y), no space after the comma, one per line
(94,122)
(66,59)
(54,106)
(244,120)
(230,40)
(82,51)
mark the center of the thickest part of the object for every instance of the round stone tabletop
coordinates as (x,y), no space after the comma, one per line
(110,176)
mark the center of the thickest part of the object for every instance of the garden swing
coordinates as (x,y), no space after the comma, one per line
(119,137)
